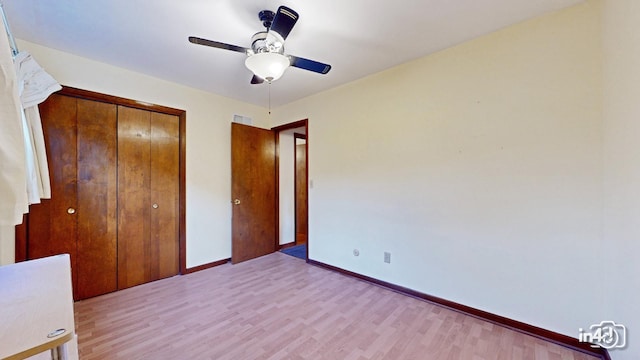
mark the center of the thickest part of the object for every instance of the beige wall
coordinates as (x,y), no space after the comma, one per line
(479,168)
(621,245)
(208,142)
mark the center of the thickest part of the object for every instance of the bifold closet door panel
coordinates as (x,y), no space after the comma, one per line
(148,190)
(165,165)
(134,209)
(53,223)
(97,198)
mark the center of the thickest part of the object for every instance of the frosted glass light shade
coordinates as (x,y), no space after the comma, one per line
(268,66)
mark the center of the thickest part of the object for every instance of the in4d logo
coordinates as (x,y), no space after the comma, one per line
(607,334)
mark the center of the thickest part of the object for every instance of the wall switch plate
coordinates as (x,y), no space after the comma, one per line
(387,257)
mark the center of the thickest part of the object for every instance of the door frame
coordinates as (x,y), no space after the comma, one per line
(297,136)
(182,118)
(296,124)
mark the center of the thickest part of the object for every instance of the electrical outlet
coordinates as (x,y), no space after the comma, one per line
(387,257)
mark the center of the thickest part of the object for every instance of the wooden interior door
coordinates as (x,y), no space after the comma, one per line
(253,191)
(148,192)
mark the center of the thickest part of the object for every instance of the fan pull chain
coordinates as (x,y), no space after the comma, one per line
(269,98)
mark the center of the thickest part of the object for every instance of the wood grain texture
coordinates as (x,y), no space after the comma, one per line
(52,230)
(164,187)
(136,104)
(81,137)
(111,99)
(300,188)
(279,307)
(97,198)
(81,141)
(134,208)
(518,326)
(148,196)
(293,125)
(182,201)
(253,179)
(21,240)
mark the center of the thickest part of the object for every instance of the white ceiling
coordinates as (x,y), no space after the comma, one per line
(357,37)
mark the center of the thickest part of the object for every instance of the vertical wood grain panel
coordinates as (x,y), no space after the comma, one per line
(182,194)
(300,191)
(52,230)
(111,99)
(165,166)
(81,135)
(21,240)
(97,198)
(133,196)
(253,174)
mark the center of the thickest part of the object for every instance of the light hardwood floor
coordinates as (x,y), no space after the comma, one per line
(279,307)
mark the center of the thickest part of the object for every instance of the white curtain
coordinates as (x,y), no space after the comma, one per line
(37,168)
(24,172)
(34,87)
(13,178)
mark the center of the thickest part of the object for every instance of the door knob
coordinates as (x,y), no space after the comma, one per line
(155,206)
(71,210)
(236,202)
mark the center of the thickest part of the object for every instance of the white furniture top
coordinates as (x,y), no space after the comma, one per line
(36,299)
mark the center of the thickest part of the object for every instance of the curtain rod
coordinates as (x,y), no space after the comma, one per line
(12,41)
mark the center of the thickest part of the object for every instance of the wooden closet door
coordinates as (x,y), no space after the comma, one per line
(134,209)
(97,198)
(80,218)
(52,224)
(148,193)
(165,165)
(107,161)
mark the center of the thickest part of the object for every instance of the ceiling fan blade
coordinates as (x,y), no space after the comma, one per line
(256,80)
(283,21)
(216,44)
(310,65)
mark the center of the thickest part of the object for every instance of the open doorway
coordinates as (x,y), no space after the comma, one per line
(292,170)
(300,188)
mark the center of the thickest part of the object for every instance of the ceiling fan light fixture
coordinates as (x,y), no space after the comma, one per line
(268,66)
(266,58)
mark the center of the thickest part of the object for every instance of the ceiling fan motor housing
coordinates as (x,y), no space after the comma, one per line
(266,16)
(267,41)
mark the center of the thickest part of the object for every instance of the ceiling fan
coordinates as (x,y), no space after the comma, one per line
(266,57)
